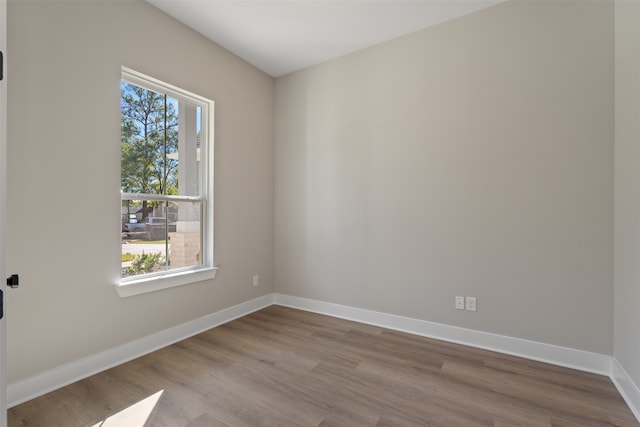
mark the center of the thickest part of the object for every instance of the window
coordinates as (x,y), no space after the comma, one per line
(166,185)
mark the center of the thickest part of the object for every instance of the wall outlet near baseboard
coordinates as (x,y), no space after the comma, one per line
(470,304)
(459,303)
(256,280)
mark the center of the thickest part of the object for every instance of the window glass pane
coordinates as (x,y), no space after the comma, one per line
(149,141)
(165,239)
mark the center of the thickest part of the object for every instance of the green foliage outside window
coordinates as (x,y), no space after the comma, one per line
(145,263)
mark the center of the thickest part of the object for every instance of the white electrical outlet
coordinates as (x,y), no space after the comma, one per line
(256,280)
(459,303)
(471,304)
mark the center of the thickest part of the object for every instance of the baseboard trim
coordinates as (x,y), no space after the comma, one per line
(627,387)
(548,353)
(53,379)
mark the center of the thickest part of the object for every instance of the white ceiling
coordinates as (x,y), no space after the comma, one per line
(280,37)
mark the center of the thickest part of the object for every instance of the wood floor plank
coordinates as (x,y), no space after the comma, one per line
(206,420)
(286,367)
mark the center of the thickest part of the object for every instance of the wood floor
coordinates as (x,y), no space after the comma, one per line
(285,367)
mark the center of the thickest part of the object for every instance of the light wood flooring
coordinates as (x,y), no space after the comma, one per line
(285,367)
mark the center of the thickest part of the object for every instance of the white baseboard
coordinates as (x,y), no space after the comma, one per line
(556,355)
(53,379)
(628,389)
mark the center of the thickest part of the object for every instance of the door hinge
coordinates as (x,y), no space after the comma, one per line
(1,65)
(1,304)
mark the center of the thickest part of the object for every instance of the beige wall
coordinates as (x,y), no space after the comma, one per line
(627,189)
(472,158)
(63,193)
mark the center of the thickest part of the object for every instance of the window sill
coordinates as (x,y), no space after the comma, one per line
(151,284)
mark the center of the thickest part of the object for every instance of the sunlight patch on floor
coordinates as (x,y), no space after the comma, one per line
(135,415)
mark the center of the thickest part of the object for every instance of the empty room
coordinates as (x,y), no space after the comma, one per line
(332,213)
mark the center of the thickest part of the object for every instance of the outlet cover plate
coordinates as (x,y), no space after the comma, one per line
(471,304)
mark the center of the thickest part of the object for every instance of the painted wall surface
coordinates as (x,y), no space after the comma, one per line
(627,189)
(64,176)
(474,158)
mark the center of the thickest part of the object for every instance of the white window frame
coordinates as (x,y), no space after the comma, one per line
(129,286)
